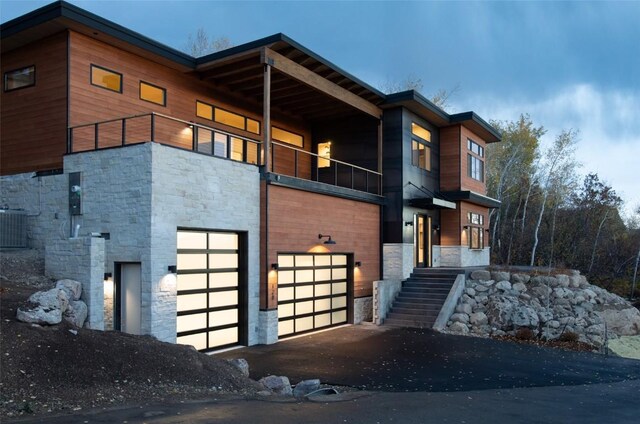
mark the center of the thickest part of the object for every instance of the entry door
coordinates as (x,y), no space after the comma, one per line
(130,298)
(422,241)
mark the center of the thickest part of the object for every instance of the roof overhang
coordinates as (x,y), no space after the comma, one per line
(422,106)
(471,197)
(431,203)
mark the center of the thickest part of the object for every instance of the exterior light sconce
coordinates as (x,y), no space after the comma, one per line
(358,264)
(107,276)
(172,269)
(274,267)
(408,224)
(329,241)
(436,227)
(466,227)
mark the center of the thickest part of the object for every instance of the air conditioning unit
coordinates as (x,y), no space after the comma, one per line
(13,228)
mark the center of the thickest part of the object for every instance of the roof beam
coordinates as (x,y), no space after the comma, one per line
(305,76)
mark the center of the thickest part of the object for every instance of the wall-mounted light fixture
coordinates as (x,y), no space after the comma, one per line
(408,224)
(436,227)
(328,241)
(107,276)
(172,269)
(358,264)
(274,266)
(466,227)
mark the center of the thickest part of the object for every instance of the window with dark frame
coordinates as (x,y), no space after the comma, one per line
(153,93)
(476,230)
(106,78)
(225,117)
(20,78)
(475,165)
(420,155)
(284,136)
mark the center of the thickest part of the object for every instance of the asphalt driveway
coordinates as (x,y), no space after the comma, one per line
(411,360)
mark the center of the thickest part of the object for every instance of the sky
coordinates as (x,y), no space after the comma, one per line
(569,65)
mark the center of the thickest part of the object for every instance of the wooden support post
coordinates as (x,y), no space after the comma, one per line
(266,118)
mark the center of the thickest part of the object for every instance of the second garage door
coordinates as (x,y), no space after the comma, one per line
(313,292)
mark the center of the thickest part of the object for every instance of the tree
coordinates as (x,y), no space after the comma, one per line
(200,43)
(413,82)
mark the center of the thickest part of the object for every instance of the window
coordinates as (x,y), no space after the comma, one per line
(475,168)
(420,155)
(421,132)
(324,154)
(476,230)
(152,93)
(285,136)
(212,113)
(20,78)
(475,148)
(105,78)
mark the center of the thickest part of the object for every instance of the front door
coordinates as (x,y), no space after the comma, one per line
(422,241)
(129,294)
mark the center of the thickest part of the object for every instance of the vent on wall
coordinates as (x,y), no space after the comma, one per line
(13,228)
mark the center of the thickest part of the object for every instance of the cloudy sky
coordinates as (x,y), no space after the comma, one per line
(569,65)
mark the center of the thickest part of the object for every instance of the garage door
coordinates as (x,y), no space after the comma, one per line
(210,284)
(312,292)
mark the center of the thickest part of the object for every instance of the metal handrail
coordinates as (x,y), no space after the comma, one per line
(329,159)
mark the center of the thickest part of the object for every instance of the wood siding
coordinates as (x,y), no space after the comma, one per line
(454,221)
(450,170)
(34,119)
(297,217)
(89,103)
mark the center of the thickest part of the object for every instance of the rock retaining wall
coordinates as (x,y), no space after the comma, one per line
(500,303)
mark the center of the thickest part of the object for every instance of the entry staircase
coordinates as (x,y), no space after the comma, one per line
(421,297)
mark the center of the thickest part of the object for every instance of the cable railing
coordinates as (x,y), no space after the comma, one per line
(285,159)
(163,129)
(295,162)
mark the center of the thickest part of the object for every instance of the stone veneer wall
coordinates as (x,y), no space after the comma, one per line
(81,259)
(140,195)
(397,261)
(384,293)
(460,256)
(362,309)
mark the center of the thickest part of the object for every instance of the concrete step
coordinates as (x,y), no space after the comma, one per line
(421,298)
(416,304)
(426,285)
(408,323)
(438,271)
(429,275)
(415,311)
(426,290)
(412,316)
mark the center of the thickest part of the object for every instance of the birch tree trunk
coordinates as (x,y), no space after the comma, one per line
(595,243)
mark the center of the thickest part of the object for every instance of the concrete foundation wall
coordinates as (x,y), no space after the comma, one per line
(460,256)
(384,293)
(81,259)
(397,259)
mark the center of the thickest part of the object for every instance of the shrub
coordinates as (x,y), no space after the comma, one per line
(525,333)
(569,336)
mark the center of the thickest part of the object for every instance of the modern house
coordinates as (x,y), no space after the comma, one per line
(236,198)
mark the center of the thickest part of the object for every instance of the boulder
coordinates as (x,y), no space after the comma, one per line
(478,318)
(459,328)
(240,364)
(623,322)
(480,288)
(503,285)
(544,316)
(76,313)
(520,278)
(464,308)
(469,291)
(481,275)
(500,275)
(500,310)
(574,281)
(524,316)
(590,294)
(562,293)
(554,324)
(44,307)
(563,280)
(73,288)
(460,317)
(305,387)
(520,287)
(277,384)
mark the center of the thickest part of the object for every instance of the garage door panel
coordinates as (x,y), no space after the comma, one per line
(312,292)
(207,262)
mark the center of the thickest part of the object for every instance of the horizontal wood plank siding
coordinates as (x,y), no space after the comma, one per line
(450,158)
(34,119)
(297,217)
(450,227)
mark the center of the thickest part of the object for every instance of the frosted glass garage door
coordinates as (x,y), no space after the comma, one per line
(209,283)
(312,292)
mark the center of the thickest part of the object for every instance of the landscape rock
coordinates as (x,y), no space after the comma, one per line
(563,280)
(460,317)
(76,313)
(73,288)
(500,275)
(459,328)
(624,322)
(520,278)
(464,308)
(478,318)
(503,285)
(481,275)
(44,307)
(241,364)
(524,316)
(500,311)
(519,286)
(470,291)
(305,387)
(279,385)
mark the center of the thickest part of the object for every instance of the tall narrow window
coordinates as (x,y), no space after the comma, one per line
(324,154)
(153,93)
(476,230)
(475,164)
(20,78)
(420,155)
(106,78)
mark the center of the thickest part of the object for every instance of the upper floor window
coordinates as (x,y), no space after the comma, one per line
(475,165)
(421,132)
(106,78)
(288,137)
(324,154)
(420,155)
(153,93)
(222,116)
(20,78)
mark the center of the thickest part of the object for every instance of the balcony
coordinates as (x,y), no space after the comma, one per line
(297,166)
